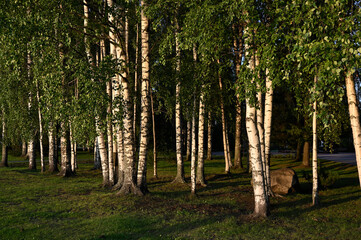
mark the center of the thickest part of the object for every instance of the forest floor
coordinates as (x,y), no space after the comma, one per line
(44,206)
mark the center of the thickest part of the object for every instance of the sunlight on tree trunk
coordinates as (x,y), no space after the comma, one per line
(315,197)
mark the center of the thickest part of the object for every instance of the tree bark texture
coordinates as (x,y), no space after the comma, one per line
(315,197)
(53,165)
(238,140)
(224,130)
(23,148)
(31,155)
(355,120)
(200,166)
(267,128)
(209,137)
(194,150)
(145,104)
(306,154)
(40,129)
(4,152)
(65,152)
(180,166)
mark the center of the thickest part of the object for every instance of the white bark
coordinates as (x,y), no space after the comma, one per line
(354,119)
(315,197)
(189,135)
(4,152)
(209,137)
(180,167)
(53,166)
(194,150)
(72,149)
(200,167)
(224,130)
(40,129)
(145,104)
(268,127)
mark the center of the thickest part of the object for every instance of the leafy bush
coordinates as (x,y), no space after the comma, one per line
(327,178)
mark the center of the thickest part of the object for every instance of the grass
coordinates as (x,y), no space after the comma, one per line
(43,206)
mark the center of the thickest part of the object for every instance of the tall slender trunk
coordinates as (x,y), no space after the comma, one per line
(238,49)
(200,167)
(267,129)
(4,152)
(145,104)
(180,166)
(110,134)
(224,129)
(315,197)
(40,129)
(136,78)
(72,148)
(209,137)
(194,150)
(53,166)
(189,136)
(120,152)
(354,119)
(154,138)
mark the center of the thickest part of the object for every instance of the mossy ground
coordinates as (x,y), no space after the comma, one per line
(36,205)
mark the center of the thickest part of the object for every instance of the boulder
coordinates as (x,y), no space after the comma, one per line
(284,181)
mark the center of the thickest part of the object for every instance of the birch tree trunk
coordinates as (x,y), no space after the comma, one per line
(154,138)
(238,142)
(224,130)
(180,166)
(189,135)
(315,197)
(129,184)
(145,104)
(65,152)
(97,162)
(260,197)
(209,137)
(200,167)
(267,129)
(306,154)
(53,165)
(31,155)
(4,152)
(40,129)
(136,78)
(23,148)
(72,149)
(110,134)
(194,150)
(354,119)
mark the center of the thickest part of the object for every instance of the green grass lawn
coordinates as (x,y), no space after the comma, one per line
(43,206)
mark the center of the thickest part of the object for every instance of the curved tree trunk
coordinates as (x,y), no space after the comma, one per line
(315,197)
(354,119)
(180,166)
(145,104)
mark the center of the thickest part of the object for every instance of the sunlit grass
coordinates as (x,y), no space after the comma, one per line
(36,205)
